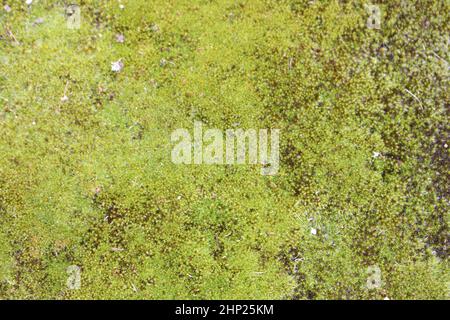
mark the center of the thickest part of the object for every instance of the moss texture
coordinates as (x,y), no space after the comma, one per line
(87,180)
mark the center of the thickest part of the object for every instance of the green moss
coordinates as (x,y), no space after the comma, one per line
(89,181)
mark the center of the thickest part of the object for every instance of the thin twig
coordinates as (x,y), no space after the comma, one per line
(12,35)
(415,97)
(437,56)
(65,88)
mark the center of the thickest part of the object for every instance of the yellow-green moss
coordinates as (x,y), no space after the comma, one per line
(89,181)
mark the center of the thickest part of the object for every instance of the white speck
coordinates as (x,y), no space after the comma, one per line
(7,8)
(376,154)
(121,7)
(120,38)
(162,62)
(65,98)
(29,2)
(117,66)
(445,146)
(386,298)
(313,231)
(4,60)
(153,83)
(39,21)
(155,27)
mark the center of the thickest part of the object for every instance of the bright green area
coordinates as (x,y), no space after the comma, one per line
(89,181)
